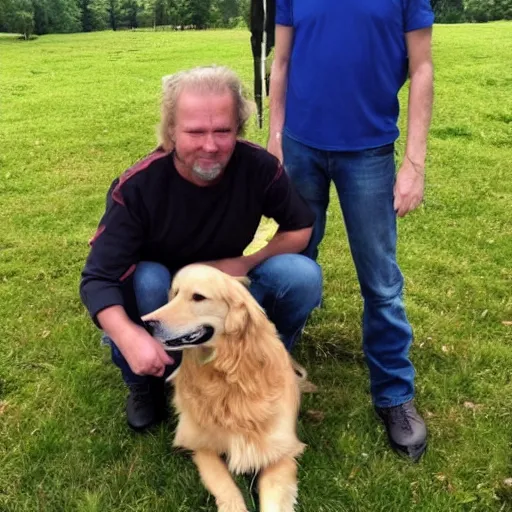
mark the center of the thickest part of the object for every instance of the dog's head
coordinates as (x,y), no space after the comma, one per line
(204,305)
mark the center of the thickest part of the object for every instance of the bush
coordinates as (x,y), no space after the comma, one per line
(481,11)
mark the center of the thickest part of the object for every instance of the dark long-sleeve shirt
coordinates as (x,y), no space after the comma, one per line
(154,214)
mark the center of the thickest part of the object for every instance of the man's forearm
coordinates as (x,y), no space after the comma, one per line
(116,324)
(283,242)
(277,97)
(279,79)
(421,93)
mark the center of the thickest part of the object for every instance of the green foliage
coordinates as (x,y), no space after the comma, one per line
(487,10)
(456,11)
(54,16)
(131,10)
(197,13)
(448,11)
(19,17)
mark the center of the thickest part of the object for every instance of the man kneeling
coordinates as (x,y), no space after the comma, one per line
(199,197)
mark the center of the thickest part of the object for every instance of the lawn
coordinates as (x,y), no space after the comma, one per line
(76,110)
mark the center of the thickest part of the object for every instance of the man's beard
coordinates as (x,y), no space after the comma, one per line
(210,174)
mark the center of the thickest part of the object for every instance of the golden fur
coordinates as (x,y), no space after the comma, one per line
(237,395)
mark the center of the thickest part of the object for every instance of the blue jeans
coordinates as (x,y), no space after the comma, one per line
(288,287)
(364,182)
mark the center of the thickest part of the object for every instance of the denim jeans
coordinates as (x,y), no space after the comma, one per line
(288,287)
(364,182)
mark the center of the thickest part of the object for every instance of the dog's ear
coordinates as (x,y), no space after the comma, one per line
(239,302)
(250,343)
(237,318)
(236,321)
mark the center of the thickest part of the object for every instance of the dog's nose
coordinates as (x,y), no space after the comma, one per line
(151,326)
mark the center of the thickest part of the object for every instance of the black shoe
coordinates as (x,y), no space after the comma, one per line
(141,406)
(406,429)
(161,392)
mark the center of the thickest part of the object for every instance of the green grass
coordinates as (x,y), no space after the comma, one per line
(76,111)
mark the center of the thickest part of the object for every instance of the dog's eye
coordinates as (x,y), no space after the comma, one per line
(197,297)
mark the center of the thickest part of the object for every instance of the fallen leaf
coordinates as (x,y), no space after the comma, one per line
(353,473)
(508,323)
(315,415)
(472,406)
(507,482)
(3,407)
(45,334)
(306,386)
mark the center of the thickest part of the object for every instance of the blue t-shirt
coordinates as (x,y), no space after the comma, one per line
(348,62)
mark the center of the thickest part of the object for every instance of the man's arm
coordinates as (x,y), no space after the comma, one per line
(411,176)
(144,354)
(294,217)
(283,242)
(114,252)
(278,83)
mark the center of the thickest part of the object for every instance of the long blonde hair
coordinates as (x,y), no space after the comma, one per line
(207,79)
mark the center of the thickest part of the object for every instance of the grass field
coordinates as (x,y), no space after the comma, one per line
(76,110)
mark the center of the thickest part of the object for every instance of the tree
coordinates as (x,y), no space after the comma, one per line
(56,16)
(130,11)
(94,14)
(18,17)
(448,11)
(198,13)
(245,11)
(229,10)
(113,11)
(41,22)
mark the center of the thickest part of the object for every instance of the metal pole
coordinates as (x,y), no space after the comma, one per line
(263,59)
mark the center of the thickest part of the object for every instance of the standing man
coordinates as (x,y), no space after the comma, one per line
(337,71)
(198,198)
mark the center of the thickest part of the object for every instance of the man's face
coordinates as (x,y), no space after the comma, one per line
(204,135)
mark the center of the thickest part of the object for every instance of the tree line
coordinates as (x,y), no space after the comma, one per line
(29,17)
(59,16)
(478,11)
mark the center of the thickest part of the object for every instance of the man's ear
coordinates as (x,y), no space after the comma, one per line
(244,280)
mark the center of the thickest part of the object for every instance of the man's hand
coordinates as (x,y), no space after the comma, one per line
(144,354)
(409,187)
(275,146)
(236,267)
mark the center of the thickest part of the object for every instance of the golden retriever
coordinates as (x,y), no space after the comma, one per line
(236,391)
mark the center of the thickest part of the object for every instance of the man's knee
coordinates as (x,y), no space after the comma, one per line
(151,283)
(383,289)
(300,277)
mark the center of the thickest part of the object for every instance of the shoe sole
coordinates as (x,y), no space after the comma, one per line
(413,453)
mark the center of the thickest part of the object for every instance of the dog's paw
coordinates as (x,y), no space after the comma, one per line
(232,507)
